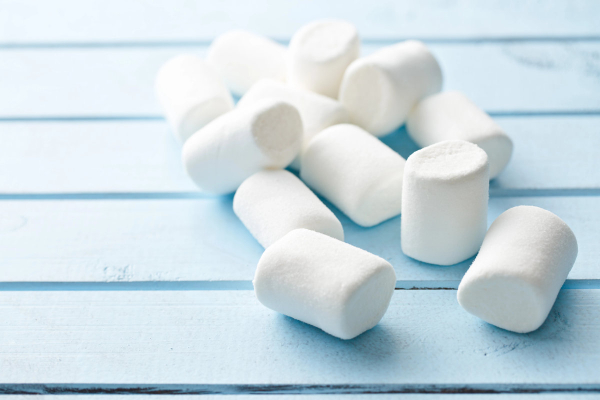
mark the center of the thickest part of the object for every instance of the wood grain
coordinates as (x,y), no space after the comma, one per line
(505,78)
(80,157)
(191,240)
(551,153)
(116,276)
(227,342)
(71,21)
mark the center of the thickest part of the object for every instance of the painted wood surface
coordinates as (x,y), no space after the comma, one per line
(71,21)
(78,157)
(191,240)
(551,153)
(227,342)
(512,77)
(116,276)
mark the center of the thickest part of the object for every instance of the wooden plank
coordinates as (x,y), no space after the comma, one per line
(79,157)
(121,240)
(226,342)
(522,77)
(551,153)
(198,240)
(70,21)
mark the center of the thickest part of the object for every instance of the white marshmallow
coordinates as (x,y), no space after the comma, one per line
(523,262)
(324,282)
(451,115)
(317,112)
(444,202)
(220,156)
(191,94)
(272,203)
(319,53)
(356,172)
(379,90)
(243,58)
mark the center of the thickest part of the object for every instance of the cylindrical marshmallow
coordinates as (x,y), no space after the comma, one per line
(451,115)
(324,282)
(317,112)
(444,202)
(272,203)
(191,93)
(379,90)
(356,172)
(523,262)
(319,53)
(243,58)
(220,156)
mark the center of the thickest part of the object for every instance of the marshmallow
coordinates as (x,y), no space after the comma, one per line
(356,172)
(523,262)
(220,156)
(319,53)
(191,94)
(379,90)
(324,282)
(444,202)
(272,203)
(243,58)
(451,115)
(317,112)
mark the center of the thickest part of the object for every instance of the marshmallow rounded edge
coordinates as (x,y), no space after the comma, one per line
(319,54)
(191,94)
(272,203)
(355,171)
(317,112)
(243,58)
(444,202)
(525,258)
(220,156)
(379,90)
(324,282)
(451,115)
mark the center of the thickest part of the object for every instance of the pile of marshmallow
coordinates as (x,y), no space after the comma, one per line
(319,108)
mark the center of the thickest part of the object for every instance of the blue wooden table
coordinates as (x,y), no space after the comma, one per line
(118,277)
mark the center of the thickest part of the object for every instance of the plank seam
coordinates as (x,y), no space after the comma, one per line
(494,192)
(233,389)
(285,41)
(126,118)
(233,285)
